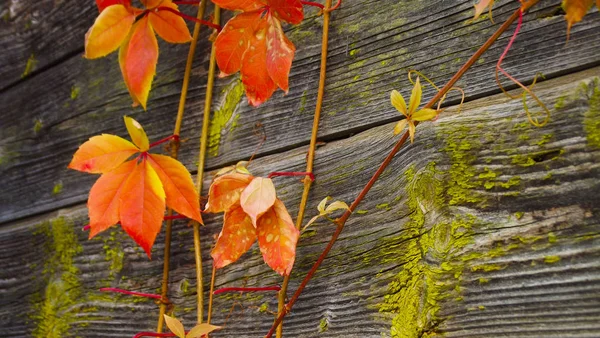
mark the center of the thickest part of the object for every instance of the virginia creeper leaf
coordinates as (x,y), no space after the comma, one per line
(481,6)
(201,330)
(240,5)
(181,194)
(288,10)
(169,26)
(415,98)
(175,326)
(398,102)
(102,154)
(233,41)
(142,205)
(280,53)
(139,61)
(137,133)
(235,239)
(104,200)
(424,114)
(258,197)
(255,76)
(277,238)
(225,191)
(102,4)
(575,11)
(108,32)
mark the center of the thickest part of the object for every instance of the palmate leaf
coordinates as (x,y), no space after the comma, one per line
(109,31)
(253,43)
(136,192)
(225,191)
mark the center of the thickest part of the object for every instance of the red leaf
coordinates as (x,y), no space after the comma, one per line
(288,10)
(255,77)
(233,41)
(258,197)
(240,5)
(277,238)
(142,205)
(103,202)
(280,53)
(138,58)
(181,194)
(102,154)
(169,26)
(237,237)
(226,190)
(102,4)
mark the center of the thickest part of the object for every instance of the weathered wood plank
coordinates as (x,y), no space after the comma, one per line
(46,117)
(486,226)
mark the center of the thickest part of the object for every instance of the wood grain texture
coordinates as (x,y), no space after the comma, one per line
(485,226)
(46,117)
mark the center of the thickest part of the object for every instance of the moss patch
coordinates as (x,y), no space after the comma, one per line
(55,313)
(591,119)
(224,116)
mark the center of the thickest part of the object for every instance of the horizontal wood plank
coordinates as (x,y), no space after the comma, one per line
(46,117)
(485,226)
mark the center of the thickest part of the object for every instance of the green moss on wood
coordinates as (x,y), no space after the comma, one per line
(29,66)
(551,259)
(224,116)
(591,119)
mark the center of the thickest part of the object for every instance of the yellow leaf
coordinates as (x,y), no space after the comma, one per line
(137,133)
(258,197)
(481,6)
(411,131)
(400,126)
(102,154)
(337,205)
(321,206)
(175,326)
(108,32)
(201,330)
(424,114)
(576,10)
(398,102)
(415,98)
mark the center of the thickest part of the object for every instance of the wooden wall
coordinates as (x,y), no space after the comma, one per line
(486,226)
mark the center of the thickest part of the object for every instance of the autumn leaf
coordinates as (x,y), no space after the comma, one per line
(136,192)
(235,238)
(277,238)
(253,43)
(138,47)
(198,331)
(225,191)
(108,32)
(481,6)
(102,4)
(575,11)
(175,326)
(179,187)
(258,197)
(325,210)
(102,154)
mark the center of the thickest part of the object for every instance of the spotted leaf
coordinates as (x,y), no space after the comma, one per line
(225,191)
(258,197)
(235,239)
(277,238)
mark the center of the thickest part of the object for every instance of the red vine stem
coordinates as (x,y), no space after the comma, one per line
(154,334)
(131,293)
(191,18)
(240,289)
(164,140)
(292,173)
(341,222)
(314,4)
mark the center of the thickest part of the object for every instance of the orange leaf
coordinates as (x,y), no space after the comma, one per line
(240,5)
(103,202)
(102,4)
(142,205)
(258,197)
(181,194)
(108,32)
(225,191)
(138,61)
(102,154)
(233,41)
(288,10)
(255,77)
(576,10)
(169,26)
(280,53)
(277,238)
(237,237)
(481,6)
(137,133)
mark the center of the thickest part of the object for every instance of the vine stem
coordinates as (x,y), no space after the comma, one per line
(174,153)
(342,220)
(201,161)
(309,178)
